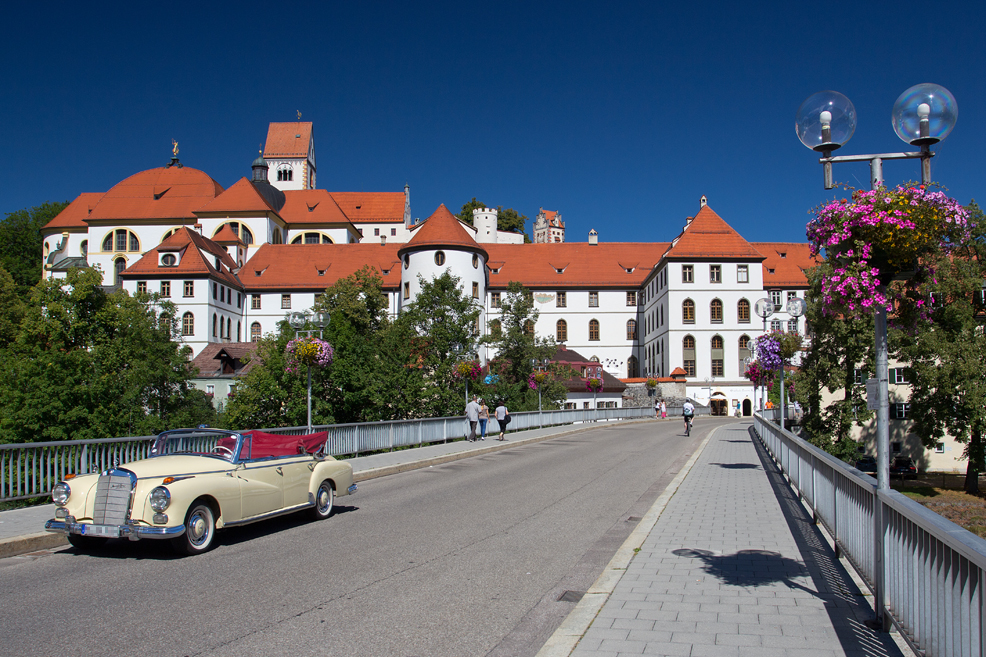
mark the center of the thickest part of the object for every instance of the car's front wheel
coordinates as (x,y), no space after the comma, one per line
(86,543)
(200,530)
(324,499)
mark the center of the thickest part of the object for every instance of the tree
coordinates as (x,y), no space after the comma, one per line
(11,309)
(838,347)
(507,220)
(21,244)
(947,352)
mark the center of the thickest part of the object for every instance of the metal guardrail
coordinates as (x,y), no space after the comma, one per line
(927,574)
(30,470)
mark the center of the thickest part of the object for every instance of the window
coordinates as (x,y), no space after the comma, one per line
(776,325)
(529,328)
(241,231)
(792,325)
(496,328)
(169,260)
(85,248)
(688,355)
(255,332)
(899,375)
(239,299)
(561,330)
(440,258)
(561,300)
(142,286)
(939,448)
(285,173)
(494,299)
(189,289)
(715,273)
(165,322)
(239,328)
(899,411)
(407,290)
(166,289)
(254,302)
(633,369)
(742,274)
(593,329)
(631,329)
(593,299)
(717,355)
(475,326)
(715,311)
(687,273)
(215,324)
(775,298)
(121,240)
(475,290)
(859,377)
(188,324)
(407,261)
(792,295)
(215,290)
(744,353)
(285,301)
(119,265)
(475,261)
(376,232)
(393,232)
(631,298)
(895,445)
(743,311)
(688,311)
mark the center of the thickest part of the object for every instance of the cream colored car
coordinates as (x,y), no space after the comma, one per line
(197,481)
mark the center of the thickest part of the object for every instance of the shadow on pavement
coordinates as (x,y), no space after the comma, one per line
(737,466)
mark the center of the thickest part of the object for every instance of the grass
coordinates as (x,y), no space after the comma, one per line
(968,511)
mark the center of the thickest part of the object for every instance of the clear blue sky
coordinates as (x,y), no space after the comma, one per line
(619,115)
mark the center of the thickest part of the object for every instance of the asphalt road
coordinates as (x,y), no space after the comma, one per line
(467,558)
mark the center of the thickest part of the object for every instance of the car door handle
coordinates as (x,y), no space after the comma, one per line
(279,471)
(311,466)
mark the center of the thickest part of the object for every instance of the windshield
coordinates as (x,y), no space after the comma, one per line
(201,442)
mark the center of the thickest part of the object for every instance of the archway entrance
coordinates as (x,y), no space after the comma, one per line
(719,404)
(747,408)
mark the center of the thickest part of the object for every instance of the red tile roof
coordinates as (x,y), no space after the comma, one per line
(312,206)
(785,263)
(75,215)
(297,266)
(197,256)
(442,229)
(582,264)
(551,217)
(708,236)
(209,362)
(163,193)
(288,139)
(242,196)
(371,206)
(226,236)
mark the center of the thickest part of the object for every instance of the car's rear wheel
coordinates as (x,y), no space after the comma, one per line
(324,500)
(86,543)
(200,530)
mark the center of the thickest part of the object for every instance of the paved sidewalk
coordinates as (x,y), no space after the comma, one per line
(732,567)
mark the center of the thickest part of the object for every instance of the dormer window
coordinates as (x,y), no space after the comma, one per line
(169,260)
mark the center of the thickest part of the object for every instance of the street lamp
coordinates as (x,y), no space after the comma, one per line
(297,320)
(461,355)
(796,307)
(539,367)
(764,308)
(921,116)
(709,383)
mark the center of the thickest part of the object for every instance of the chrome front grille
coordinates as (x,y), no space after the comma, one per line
(112,505)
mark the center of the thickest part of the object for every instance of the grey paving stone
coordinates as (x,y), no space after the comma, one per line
(623,647)
(631,624)
(649,636)
(715,651)
(668,649)
(739,640)
(694,638)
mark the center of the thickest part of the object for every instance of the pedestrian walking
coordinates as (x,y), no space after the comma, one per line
(502,418)
(472,414)
(484,417)
(664,410)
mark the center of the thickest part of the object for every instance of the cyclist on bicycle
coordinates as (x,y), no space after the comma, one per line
(688,411)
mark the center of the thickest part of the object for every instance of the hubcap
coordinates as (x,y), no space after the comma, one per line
(197,527)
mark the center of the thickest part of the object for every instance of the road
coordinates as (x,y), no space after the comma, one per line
(466,558)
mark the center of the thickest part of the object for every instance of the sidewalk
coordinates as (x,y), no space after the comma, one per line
(22,530)
(728,565)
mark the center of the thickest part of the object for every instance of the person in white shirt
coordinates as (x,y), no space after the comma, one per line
(472,414)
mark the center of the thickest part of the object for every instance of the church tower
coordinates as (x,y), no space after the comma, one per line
(290,154)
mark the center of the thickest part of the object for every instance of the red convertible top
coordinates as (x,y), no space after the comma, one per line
(274,444)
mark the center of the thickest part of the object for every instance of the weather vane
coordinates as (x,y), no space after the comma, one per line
(299,115)
(174,148)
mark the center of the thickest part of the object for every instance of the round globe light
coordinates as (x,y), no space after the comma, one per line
(825,121)
(296,319)
(924,114)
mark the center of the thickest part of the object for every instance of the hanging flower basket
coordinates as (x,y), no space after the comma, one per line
(758,375)
(468,369)
(308,352)
(652,383)
(879,237)
(593,385)
(537,379)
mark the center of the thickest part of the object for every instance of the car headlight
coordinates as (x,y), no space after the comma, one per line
(60,493)
(160,499)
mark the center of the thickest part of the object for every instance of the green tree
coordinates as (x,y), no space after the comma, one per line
(21,245)
(507,220)
(11,309)
(947,353)
(837,348)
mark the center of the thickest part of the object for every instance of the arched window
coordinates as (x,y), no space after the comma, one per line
(717,355)
(285,173)
(188,324)
(239,330)
(744,353)
(633,370)
(561,330)
(222,326)
(165,323)
(121,240)
(118,266)
(276,236)
(688,311)
(312,238)
(529,328)
(688,355)
(255,332)
(715,311)
(240,230)
(594,329)
(215,325)
(170,233)
(439,258)
(85,248)
(743,311)
(631,329)
(496,328)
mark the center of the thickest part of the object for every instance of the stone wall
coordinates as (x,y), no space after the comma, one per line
(638,394)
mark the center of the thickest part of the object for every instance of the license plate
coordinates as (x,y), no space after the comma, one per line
(111,531)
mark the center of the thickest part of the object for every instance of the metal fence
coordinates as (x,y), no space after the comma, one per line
(31,469)
(927,574)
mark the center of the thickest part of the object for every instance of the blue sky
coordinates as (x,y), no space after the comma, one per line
(619,115)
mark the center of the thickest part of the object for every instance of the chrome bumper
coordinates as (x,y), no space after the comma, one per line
(132,532)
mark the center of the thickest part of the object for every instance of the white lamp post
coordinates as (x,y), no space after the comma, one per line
(297,320)
(796,307)
(764,308)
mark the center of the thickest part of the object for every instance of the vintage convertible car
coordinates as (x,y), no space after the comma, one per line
(197,481)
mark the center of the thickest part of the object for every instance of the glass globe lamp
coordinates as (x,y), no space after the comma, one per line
(825,121)
(924,114)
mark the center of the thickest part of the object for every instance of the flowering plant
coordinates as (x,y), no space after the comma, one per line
(491,379)
(593,385)
(308,351)
(759,375)
(536,379)
(652,383)
(768,350)
(880,236)
(467,369)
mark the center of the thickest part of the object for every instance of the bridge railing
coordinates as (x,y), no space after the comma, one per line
(30,470)
(928,575)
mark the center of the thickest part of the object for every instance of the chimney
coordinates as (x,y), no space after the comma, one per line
(197,228)
(383,240)
(593,237)
(703,202)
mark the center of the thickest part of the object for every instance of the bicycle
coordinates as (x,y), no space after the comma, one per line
(688,424)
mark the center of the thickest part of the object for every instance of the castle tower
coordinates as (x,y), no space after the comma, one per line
(484,220)
(548,227)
